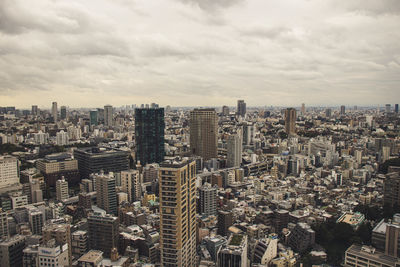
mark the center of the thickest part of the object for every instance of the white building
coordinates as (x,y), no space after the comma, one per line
(53,255)
(9,171)
(62,138)
(62,189)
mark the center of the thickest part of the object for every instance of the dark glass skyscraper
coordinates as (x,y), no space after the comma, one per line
(149,134)
(94,117)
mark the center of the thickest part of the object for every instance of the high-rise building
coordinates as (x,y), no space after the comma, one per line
(342,110)
(106,194)
(225,110)
(303,109)
(103,233)
(204,133)
(178,213)
(108,115)
(391,192)
(36,221)
(9,171)
(95,159)
(208,200)
(35,111)
(248,133)
(234,253)
(290,121)
(328,112)
(62,189)
(302,237)
(80,243)
(11,251)
(149,135)
(54,112)
(94,117)
(241,108)
(61,234)
(63,112)
(62,138)
(4,231)
(225,220)
(130,184)
(396,108)
(388,108)
(234,151)
(266,250)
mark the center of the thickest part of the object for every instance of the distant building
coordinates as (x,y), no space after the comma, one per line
(301,237)
(225,110)
(328,112)
(94,159)
(9,171)
(290,121)
(62,189)
(241,108)
(130,184)
(204,133)
(108,115)
(234,151)
(94,117)
(303,109)
(54,112)
(342,110)
(208,200)
(35,110)
(391,191)
(149,135)
(63,112)
(106,193)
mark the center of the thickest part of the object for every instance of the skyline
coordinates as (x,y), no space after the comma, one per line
(186,52)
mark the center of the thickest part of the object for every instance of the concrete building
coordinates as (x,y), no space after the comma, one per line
(36,220)
(391,192)
(241,108)
(103,233)
(234,152)
(11,251)
(130,184)
(62,189)
(225,220)
(9,171)
(80,243)
(265,250)
(30,256)
(54,112)
(106,194)
(55,166)
(364,256)
(4,231)
(290,121)
(204,133)
(234,253)
(63,112)
(61,234)
(51,254)
(208,200)
(108,116)
(301,237)
(178,213)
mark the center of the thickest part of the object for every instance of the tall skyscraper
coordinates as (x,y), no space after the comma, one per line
(149,135)
(396,108)
(225,220)
(36,221)
(303,109)
(130,184)
(234,153)
(208,200)
(342,110)
(388,108)
(204,133)
(225,110)
(178,213)
(106,194)
(328,112)
(63,112)
(35,110)
(103,232)
(62,189)
(54,111)
(108,115)
(290,121)
(241,108)
(94,118)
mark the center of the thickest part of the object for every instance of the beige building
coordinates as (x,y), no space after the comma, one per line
(178,213)
(9,171)
(204,133)
(61,233)
(106,194)
(130,184)
(290,121)
(62,189)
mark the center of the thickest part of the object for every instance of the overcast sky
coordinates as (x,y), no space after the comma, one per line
(88,53)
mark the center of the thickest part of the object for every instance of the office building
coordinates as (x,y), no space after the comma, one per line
(208,200)
(94,117)
(80,243)
(56,166)
(290,121)
(106,194)
(149,135)
(225,220)
(234,253)
(54,112)
(30,256)
(225,110)
(234,151)
(62,189)
(303,109)
(9,171)
(266,249)
(62,138)
(391,191)
(248,133)
(61,234)
(328,112)
(396,108)
(11,251)
(103,233)
(130,184)
(108,115)
(365,256)
(178,213)
(52,254)
(63,112)
(4,232)
(204,133)
(94,159)
(241,108)
(36,220)
(388,108)
(342,110)
(35,110)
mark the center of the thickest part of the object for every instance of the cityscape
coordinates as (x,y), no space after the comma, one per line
(199,133)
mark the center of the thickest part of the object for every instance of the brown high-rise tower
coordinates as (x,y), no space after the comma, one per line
(204,133)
